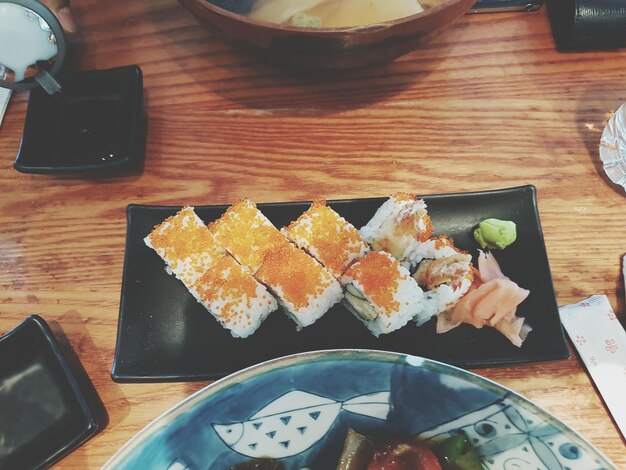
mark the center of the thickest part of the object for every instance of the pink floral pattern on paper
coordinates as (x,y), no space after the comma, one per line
(611,346)
(593,361)
(580,340)
(611,315)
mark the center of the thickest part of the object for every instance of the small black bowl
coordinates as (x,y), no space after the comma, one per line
(95,123)
(47,409)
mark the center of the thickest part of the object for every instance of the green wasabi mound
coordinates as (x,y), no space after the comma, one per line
(495,234)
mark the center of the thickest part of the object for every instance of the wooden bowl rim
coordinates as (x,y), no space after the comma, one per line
(315,32)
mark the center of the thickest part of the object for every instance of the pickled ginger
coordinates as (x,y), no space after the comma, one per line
(493,303)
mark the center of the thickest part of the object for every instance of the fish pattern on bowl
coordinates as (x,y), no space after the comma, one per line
(298,409)
(295,422)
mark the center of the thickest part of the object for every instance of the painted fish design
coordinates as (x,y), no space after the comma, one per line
(294,422)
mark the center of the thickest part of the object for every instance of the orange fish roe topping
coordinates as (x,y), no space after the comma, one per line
(295,273)
(443,241)
(247,233)
(231,286)
(330,235)
(404,197)
(378,274)
(183,236)
(428,230)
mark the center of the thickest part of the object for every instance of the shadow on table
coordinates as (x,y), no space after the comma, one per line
(240,77)
(591,118)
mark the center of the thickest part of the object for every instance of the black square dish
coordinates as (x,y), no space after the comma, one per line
(164,334)
(45,409)
(95,123)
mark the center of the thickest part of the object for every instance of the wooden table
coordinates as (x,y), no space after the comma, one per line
(490,104)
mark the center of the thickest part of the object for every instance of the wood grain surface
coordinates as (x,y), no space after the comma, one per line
(488,104)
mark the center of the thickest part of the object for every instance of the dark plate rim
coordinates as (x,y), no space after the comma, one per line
(531,190)
(88,412)
(528,187)
(134,74)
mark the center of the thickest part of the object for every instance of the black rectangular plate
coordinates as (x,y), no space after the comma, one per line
(47,408)
(164,334)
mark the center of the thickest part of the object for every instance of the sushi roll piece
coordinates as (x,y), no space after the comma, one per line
(304,288)
(445,278)
(380,292)
(234,297)
(398,226)
(213,277)
(433,248)
(186,246)
(247,234)
(328,237)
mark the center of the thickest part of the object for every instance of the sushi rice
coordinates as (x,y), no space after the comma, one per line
(233,266)
(211,275)
(304,288)
(381,293)
(186,246)
(247,234)
(433,248)
(234,297)
(328,237)
(399,225)
(402,227)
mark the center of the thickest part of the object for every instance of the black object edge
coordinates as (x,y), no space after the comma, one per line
(137,151)
(93,409)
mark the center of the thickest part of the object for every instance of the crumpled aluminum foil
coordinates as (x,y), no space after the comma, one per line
(613,147)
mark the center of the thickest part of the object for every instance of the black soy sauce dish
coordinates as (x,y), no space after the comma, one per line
(95,123)
(47,409)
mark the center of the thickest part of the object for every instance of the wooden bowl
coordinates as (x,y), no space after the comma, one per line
(327,48)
